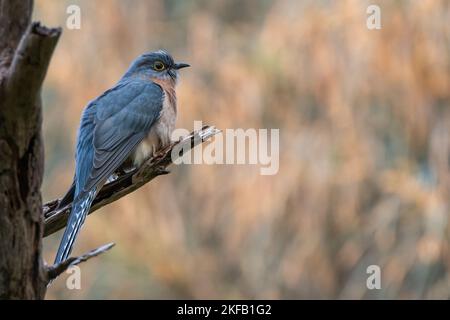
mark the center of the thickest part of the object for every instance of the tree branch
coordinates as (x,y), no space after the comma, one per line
(26,74)
(32,57)
(56,219)
(55,270)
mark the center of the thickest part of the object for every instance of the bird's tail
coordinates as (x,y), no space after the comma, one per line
(79,212)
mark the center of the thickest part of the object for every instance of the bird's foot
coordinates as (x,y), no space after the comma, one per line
(112,177)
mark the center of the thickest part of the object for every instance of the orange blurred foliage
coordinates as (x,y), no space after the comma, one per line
(364,123)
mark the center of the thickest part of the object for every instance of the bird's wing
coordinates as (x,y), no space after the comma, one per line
(111,127)
(123,116)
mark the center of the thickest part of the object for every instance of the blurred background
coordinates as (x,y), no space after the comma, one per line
(364,119)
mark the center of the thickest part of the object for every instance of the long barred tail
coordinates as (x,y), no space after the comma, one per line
(79,212)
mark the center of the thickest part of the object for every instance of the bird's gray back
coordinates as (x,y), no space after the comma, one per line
(112,126)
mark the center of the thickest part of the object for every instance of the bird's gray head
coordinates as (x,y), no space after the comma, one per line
(157,65)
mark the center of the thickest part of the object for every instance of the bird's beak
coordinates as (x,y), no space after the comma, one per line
(181,65)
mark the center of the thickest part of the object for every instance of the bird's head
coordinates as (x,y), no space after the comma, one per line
(157,65)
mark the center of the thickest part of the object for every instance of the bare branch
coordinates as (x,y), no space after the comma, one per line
(56,219)
(32,57)
(26,74)
(57,269)
(21,103)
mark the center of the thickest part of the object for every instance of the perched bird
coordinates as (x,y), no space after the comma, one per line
(126,124)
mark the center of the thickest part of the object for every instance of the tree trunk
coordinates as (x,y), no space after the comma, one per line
(25,51)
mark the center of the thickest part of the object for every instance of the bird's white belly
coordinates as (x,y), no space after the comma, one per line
(159,135)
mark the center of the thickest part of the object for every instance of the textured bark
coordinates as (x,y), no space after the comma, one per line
(25,51)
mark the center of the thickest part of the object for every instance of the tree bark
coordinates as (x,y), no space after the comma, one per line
(25,52)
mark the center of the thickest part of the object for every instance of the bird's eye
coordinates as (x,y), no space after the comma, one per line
(159,66)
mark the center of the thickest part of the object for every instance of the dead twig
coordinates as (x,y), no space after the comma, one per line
(55,270)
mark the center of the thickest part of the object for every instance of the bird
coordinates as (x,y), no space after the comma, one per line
(124,126)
